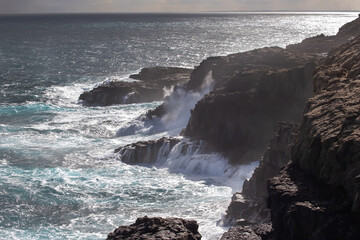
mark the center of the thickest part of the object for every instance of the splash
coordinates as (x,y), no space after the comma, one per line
(178,107)
(180,102)
(195,160)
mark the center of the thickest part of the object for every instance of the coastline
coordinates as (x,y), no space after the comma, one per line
(227,81)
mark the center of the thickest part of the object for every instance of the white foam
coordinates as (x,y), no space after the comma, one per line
(180,102)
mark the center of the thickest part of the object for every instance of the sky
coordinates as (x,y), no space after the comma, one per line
(68,6)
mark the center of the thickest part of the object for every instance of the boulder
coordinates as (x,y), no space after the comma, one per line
(157,228)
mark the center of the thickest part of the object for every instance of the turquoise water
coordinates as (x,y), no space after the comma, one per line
(59,177)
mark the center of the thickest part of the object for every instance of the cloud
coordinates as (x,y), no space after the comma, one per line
(56,6)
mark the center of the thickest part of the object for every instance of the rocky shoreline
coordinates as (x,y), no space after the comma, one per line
(317,193)
(151,84)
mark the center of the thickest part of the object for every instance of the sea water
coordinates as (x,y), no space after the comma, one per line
(59,176)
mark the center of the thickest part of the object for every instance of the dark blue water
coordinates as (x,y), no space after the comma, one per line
(59,178)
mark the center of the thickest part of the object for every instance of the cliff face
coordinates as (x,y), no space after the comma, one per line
(318,196)
(328,144)
(260,88)
(251,204)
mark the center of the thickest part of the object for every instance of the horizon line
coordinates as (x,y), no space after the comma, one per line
(198,12)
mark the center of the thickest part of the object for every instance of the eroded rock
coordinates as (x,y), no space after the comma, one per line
(302,207)
(258,89)
(317,197)
(251,204)
(147,152)
(157,228)
(151,86)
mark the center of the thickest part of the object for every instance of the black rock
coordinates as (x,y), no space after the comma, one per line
(157,228)
(151,87)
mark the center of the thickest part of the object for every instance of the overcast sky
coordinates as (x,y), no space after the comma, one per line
(59,6)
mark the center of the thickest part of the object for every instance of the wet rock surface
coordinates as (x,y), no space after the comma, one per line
(153,151)
(258,89)
(147,152)
(251,204)
(151,86)
(157,228)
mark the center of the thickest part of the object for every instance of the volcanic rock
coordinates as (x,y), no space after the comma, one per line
(151,86)
(328,143)
(152,151)
(253,91)
(302,207)
(254,232)
(146,152)
(157,228)
(251,204)
(317,197)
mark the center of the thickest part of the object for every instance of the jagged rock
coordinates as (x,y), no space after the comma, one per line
(146,152)
(302,207)
(149,88)
(152,151)
(249,66)
(250,204)
(253,232)
(328,143)
(157,228)
(253,91)
(317,197)
(323,44)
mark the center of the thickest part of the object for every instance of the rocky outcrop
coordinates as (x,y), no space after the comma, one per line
(251,204)
(253,91)
(318,196)
(253,232)
(249,65)
(155,151)
(323,44)
(151,86)
(146,152)
(328,143)
(302,207)
(157,228)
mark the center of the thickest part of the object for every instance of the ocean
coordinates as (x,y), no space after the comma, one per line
(59,176)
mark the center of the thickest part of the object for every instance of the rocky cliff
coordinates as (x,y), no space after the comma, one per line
(157,228)
(253,91)
(318,196)
(251,204)
(151,86)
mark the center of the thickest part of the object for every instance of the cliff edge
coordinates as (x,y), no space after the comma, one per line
(318,195)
